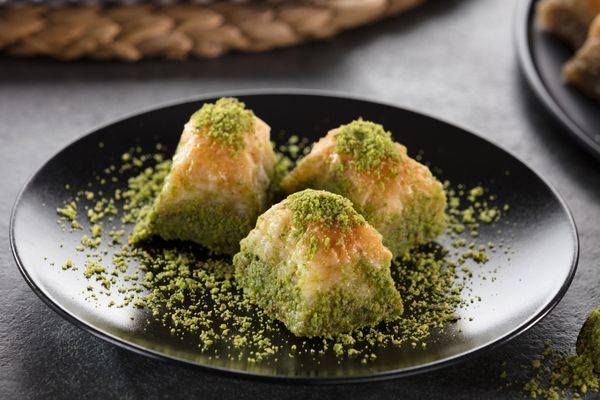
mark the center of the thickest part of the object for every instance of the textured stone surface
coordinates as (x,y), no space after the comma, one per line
(453,59)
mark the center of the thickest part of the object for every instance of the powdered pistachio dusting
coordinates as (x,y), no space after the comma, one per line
(315,206)
(554,375)
(588,341)
(368,144)
(225,121)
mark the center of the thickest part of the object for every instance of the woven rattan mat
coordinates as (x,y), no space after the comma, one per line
(179,31)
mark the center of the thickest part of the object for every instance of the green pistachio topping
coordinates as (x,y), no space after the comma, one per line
(588,341)
(226,121)
(368,144)
(556,375)
(319,206)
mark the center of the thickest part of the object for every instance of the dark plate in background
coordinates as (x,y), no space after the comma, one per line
(542,56)
(539,228)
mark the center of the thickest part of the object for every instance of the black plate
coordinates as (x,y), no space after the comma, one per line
(539,227)
(542,56)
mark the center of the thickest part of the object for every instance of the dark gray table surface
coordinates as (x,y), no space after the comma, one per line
(453,59)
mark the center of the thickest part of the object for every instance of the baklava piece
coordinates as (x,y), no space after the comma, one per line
(396,194)
(583,70)
(219,181)
(569,19)
(315,264)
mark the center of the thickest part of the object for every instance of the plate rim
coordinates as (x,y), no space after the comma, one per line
(523,19)
(315,380)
